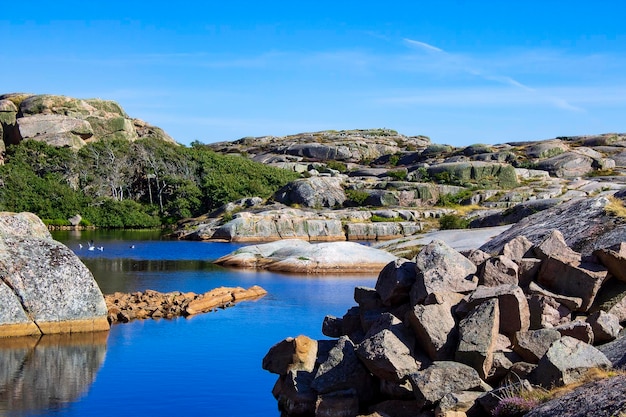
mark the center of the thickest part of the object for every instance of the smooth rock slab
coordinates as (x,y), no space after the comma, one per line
(294,255)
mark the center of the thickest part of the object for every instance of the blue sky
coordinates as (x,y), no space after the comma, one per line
(460,72)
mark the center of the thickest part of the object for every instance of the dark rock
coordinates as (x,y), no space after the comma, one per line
(577,329)
(395,281)
(477,337)
(615,351)
(312,192)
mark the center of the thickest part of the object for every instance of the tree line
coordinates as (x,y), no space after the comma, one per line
(117,183)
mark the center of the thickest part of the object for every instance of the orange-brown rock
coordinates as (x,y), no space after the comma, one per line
(124,307)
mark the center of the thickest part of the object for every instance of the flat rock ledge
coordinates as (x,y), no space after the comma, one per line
(299,256)
(124,307)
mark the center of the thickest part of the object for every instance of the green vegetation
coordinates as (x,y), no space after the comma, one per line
(399,175)
(337,165)
(116,183)
(453,221)
(376,219)
(453,200)
(357,196)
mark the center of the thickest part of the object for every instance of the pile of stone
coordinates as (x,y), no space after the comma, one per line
(444,332)
(124,307)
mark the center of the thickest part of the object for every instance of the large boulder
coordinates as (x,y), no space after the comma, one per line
(313,192)
(46,281)
(478,334)
(566,361)
(435,326)
(568,164)
(441,268)
(487,174)
(441,378)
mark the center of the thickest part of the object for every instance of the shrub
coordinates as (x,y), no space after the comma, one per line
(453,221)
(357,196)
(399,175)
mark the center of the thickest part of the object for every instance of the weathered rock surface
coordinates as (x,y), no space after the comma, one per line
(300,256)
(44,287)
(602,398)
(67,121)
(583,222)
(312,192)
(441,268)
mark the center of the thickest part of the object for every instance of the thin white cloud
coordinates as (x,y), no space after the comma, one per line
(422,45)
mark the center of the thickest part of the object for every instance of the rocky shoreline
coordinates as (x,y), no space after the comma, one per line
(445,332)
(125,307)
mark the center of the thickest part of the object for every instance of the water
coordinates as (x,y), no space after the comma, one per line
(207,365)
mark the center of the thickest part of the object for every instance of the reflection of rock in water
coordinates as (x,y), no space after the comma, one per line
(45,373)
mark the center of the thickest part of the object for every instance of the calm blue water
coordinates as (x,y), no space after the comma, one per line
(208,365)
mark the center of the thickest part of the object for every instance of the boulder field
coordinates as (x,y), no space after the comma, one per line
(455,334)
(44,287)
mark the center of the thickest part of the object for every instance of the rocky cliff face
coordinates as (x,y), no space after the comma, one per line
(66,121)
(44,287)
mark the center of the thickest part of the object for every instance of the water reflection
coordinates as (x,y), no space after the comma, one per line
(38,374)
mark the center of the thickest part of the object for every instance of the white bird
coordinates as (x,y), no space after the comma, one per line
(80,245)
(132,246)
(91,246)
(100,248)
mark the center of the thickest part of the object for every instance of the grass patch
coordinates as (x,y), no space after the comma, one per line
(615,207)
(603,173)
(378,219)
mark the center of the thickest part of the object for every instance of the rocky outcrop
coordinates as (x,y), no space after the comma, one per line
(312,192)
(279,222)
(66,121)
(124,307)
(430,339)
(293,255)
(585,224)
(45,288)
